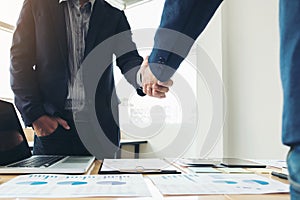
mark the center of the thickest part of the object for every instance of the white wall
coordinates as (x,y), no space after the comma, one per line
(251,75)
(148,16)
(242,42)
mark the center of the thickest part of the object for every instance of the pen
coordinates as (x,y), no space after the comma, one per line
(280,175)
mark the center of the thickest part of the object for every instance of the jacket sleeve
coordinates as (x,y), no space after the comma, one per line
(128,59)
(24,81)
(181,23)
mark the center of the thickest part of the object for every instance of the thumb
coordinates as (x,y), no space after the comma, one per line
(63,123)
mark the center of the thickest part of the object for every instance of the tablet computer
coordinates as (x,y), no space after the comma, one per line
(198,162)
(236,162)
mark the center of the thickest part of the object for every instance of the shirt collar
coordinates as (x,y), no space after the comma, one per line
(92,2)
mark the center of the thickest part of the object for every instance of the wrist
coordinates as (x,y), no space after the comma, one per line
(139,78)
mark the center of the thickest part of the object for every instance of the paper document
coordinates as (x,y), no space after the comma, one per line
(197,184)
(261,170)
(236,170)
(198,162)
(273,163)
(69,186)
(142,166)
(204,170)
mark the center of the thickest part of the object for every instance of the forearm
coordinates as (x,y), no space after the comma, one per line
(181,23)
(128,59)
(130,64)
(23,77)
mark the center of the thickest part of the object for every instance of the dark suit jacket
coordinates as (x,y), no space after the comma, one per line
(39,60)
(188,17)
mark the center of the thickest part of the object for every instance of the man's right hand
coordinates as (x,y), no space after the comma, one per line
(46,125)
(151,86)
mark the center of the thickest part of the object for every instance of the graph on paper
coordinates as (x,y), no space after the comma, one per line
(196,184)
(60,186)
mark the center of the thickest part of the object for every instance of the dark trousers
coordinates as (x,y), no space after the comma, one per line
(60,142)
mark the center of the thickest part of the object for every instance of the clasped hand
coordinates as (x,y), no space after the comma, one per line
(152,86)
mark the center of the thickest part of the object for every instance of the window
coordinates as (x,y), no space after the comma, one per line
(8,16)
(138,111)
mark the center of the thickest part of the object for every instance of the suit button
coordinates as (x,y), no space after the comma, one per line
(161,60)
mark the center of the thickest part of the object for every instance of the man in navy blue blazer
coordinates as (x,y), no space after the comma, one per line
(170,47)
(190,18)
(51,40)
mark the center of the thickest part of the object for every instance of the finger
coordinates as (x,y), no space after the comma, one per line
(39,132)
(149,90)
(45,125)
(145,88)
(168,83)
(63,123)
(160,88)
(158,94)
(43,132)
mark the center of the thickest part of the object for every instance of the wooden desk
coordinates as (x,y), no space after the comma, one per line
(157,195)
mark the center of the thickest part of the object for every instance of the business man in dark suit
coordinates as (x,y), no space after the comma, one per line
(51,40)
(190,18)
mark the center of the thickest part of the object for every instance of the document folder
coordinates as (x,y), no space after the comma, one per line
(137,166)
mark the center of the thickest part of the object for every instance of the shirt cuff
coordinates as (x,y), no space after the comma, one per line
(139,79)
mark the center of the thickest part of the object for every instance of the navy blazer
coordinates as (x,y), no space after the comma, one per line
(188,17)
(39,60)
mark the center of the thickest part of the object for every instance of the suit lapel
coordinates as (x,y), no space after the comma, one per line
(97,20)
(59,24)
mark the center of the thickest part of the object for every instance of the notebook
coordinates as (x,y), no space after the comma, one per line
(16,156)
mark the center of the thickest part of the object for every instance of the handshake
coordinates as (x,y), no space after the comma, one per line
(151,86)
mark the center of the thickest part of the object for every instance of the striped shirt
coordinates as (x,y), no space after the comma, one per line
(77,24)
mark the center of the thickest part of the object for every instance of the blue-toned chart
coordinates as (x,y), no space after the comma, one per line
(72,183)
(32,183)
(257,181)
(111,183)
(226,182)
(197,184)
(69,186)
